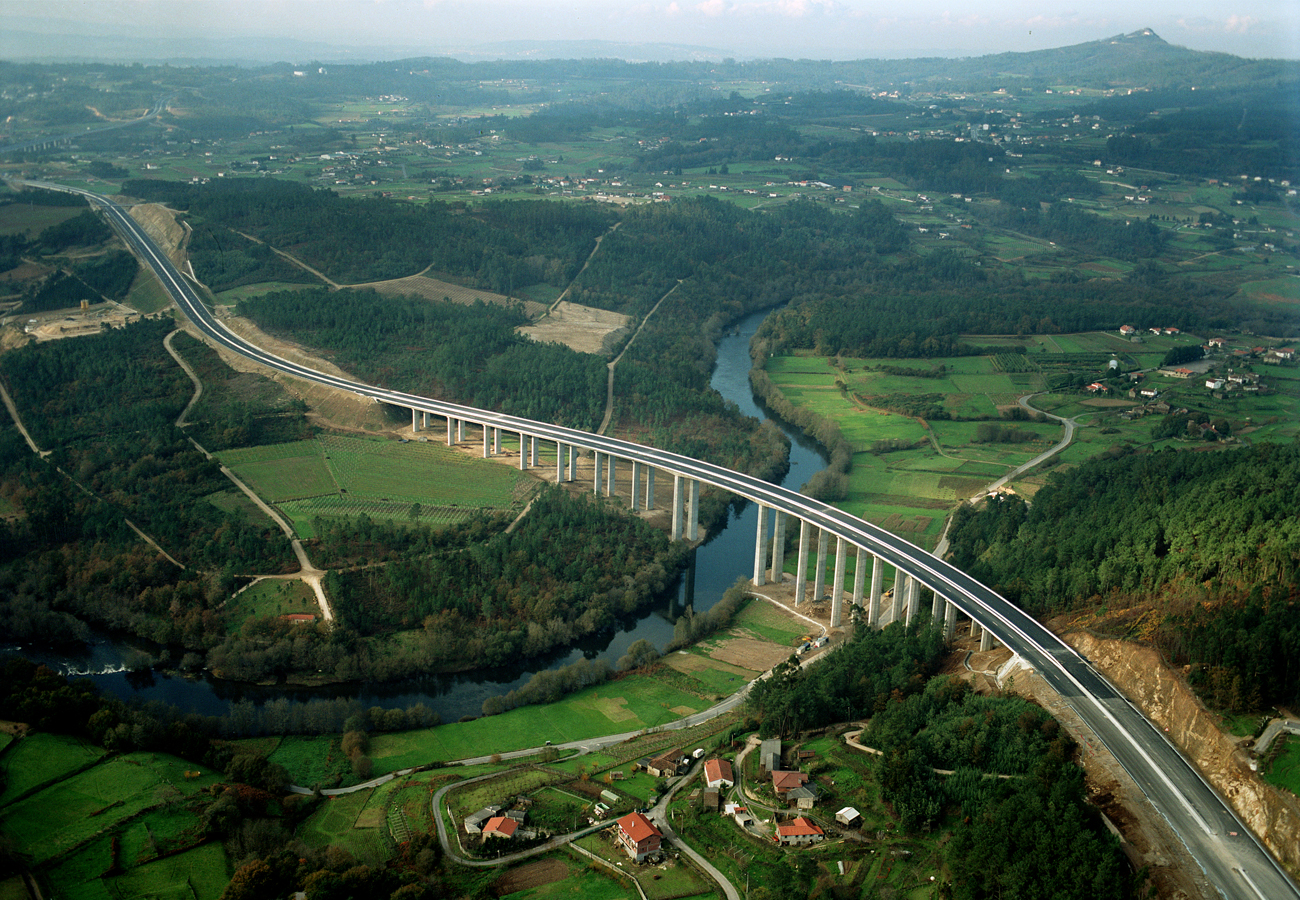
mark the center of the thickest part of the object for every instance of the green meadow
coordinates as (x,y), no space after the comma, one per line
(342,476)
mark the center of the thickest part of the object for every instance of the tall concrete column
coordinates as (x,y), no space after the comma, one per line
(532,451)
(609,488)
(819,575)
(559,463)
(913,598)
(523,451)
(936,608)
(902,599)
(778,547)
(986,641)
(678,498)
(949,620)
(974,629)
(650,487)
(425,425)
(636,485)
(877,586)
(573,463)
(596,488)
(487,439)
(760,547)
(460,431)
(496,441)
(414,422)
(451,431)
(801,564)
(837,585)
(693,523)
(859,575)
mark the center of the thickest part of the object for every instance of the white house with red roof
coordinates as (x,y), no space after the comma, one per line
(639,836)
(798,832)
(717,773)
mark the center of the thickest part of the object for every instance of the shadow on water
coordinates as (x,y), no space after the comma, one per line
(711,569)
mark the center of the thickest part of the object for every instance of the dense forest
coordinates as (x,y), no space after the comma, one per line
(104,406)
(503,247)
(466,354)
(1215,532)
(920,724)
(571,568)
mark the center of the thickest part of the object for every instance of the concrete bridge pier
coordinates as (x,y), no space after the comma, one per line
(573,463)
(609,486)
(902,599)
(819,575)
(496,441)
(986,641)
(760,548)
(837,585)
(801,563)
(636,486)
(649,488)
(415,423)
(532,451)
(949,620)
(560,450)
(778,546)
(678,498)
(936,607)
(487,441)
(877,587)
(523,451)
(598,472)
(974,629)
(460,431)
(859,575)
(451,431)
(693,521)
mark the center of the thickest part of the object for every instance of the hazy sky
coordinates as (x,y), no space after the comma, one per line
(818,29)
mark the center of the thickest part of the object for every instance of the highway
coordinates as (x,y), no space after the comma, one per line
(159,105)
(1232,858)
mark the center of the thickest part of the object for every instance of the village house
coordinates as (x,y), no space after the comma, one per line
(667,764)
(799,832)
(717,773)
(639,836)
(1127,330)
(848,817)
(785,782)
(474,823)
(769,755)
(805,796)
(500,827)
(712,799)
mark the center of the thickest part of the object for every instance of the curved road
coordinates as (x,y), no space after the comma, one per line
(1233,859)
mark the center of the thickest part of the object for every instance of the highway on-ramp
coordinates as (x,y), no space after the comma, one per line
(1232,858)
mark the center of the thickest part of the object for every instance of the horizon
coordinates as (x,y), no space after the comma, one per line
(246,32)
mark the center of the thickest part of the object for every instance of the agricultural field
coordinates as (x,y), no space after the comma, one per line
(339,476)
(80,814)
(271,597)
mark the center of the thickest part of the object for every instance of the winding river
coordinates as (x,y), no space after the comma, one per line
(717,563)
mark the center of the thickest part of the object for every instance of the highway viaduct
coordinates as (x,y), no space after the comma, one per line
(1233,860)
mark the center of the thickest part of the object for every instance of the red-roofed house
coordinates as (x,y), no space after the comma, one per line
(500,827)
(784,782)
(638,835)
(801,831)
(717,772)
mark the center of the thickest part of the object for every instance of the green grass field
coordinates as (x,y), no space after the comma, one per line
(1285,769)
(337,475)
(271,597)
(42,759)
(198,874)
